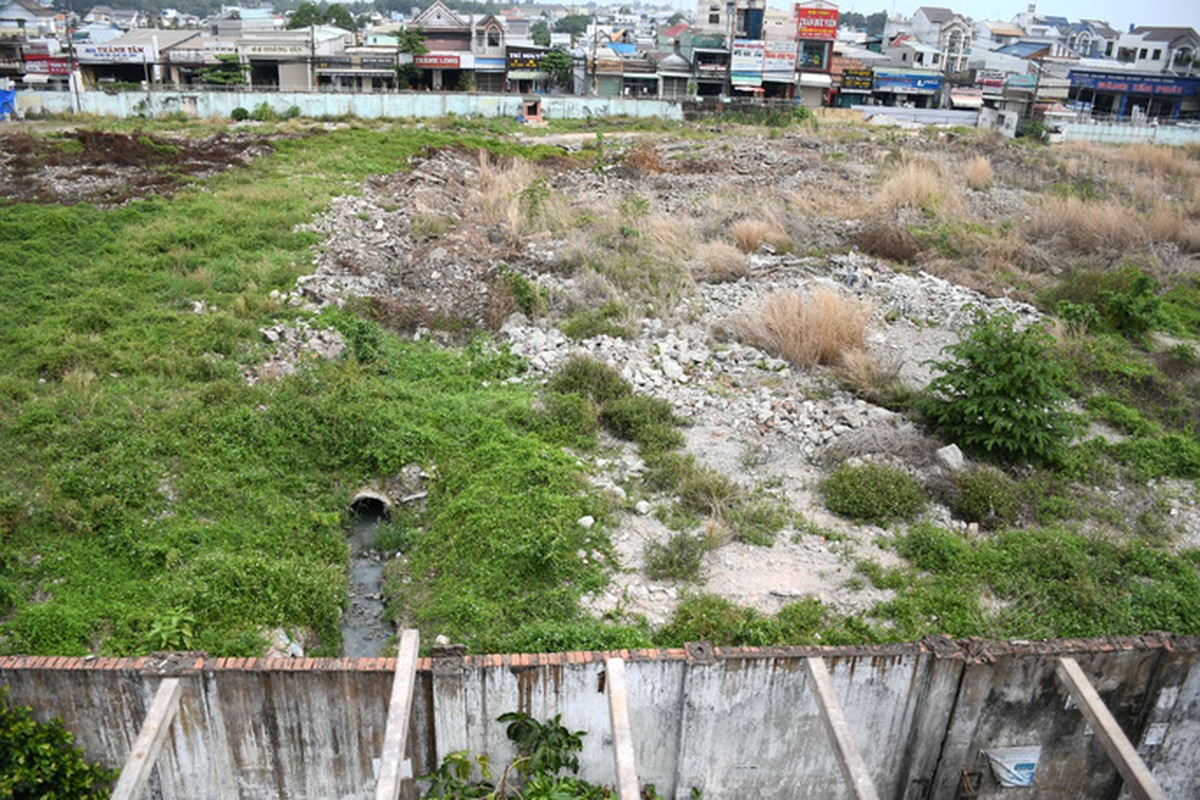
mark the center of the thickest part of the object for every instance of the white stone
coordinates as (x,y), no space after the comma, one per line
(950,457)
(587,522)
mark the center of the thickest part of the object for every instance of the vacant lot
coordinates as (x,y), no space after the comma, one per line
(660,384)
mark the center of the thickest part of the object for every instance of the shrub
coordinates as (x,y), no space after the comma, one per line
(884,239)
(41,760)
(239,114)
(978,173)
(1084,226)
(987,496)
(589,378)
(873,493)
(875,381)
(1173,454)
(1001,392)
(708,618)
(1124,300)
(291,112)
(750,234)
(264,113)
(818,329)
(919,185)
(607,320)
(720,262)
(641,419)
(680,558)
(570,419)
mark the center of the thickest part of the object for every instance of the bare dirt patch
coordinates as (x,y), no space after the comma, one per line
(106,168)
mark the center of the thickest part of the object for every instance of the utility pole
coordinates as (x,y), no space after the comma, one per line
(731,11)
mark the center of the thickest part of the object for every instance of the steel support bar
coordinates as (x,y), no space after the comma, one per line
(1120,750)
(395,735)
(834,717)
(622,730)
(150,738)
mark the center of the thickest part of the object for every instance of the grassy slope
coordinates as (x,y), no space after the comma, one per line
(150,498)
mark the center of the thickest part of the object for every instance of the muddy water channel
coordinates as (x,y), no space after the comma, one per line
(366,629)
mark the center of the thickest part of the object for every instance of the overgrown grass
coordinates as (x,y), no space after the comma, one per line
(817,329)
(148,487)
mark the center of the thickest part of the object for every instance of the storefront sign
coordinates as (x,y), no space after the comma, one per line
(779,62)
(901,82)
(437,61)
(1135,84)
(857,80)
(524,58)
(275,49)
(116,54)
(989,79)
(40,64)
(376,62)
(747,56)
(816,23)
(333,62)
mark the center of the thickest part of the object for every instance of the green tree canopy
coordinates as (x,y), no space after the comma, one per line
(574,24)
(229,71)
(307,14)
(558,63)
(540,32)
(675,18)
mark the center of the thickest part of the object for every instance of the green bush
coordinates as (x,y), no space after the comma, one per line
(291,112)
(41,760)
(570,420)
(873,493)
(680,558)
(1001,393)
(648,421)
(602,321)
(239,114)
(987,496)
(1124,300)
(1173,454)
(264,113)
(589,378)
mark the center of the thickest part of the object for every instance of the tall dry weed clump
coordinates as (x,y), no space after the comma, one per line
(977,172)
(1085,226)
(720,262)
(750,234)
(806,331)
(513,195)
(920,185)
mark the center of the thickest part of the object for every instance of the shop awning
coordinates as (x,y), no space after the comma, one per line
(641,76)
(968,98)
(527,75)
(35,78)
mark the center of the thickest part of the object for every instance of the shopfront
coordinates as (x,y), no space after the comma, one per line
(907,87)
(1125,94)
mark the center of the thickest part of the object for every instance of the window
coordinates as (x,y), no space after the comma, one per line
(936,57)
(1108,49)
(904,56)
(1141,54)
(493,38)
(1157,55)
(714,19)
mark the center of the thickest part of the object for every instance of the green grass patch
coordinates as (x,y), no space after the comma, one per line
(873,493)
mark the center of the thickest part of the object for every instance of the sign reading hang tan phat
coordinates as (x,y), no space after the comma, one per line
(816,22)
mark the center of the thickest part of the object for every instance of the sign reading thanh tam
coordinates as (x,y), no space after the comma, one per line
(116,53)
(816,21)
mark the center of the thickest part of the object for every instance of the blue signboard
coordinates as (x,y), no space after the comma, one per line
(904,82)
(8,104)
(1125,83)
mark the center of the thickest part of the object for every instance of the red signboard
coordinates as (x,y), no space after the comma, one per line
(436,61)
(44,64)
(816,23)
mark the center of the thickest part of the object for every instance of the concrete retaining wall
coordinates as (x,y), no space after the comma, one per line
(312,104)
(733,723)
(1130,134)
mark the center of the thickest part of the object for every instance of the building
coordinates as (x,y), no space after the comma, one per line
(947,31)
(1160,49)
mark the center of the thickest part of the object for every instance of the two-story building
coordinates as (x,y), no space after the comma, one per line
(1160,49)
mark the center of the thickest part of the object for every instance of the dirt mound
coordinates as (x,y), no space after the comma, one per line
(106,168)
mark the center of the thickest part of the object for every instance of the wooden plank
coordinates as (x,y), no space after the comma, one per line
(1120,750)
(140,762)
(834,718)
(622,730)
(395,735)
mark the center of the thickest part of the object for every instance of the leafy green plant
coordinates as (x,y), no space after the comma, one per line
(649,421)
(544,748)
(873,493)
(680,558)
(239,114)
(589,378)
(263,112)
(171,631)
(40,760)
(987,496)
(1001,393)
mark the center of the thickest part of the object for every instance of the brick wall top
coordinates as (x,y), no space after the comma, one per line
(972,651)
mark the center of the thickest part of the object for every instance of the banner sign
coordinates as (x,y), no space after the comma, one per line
(117,53)
(524,58)
(748,56)
(39,64)
(816,23)
(779,61)
(378,62)
(437,61)
(1135,84)
(857,80)
(989,79)
(901,82)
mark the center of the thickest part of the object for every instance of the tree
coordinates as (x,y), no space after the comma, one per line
(540,32)
(1001,394)
(412,42)
(229,71)
(339,17)
(558,63)
(306,15)
(676,18)
(574,24)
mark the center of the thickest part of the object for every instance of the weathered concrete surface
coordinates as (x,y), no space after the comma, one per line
(321,104)
(733,723)
(1129,133)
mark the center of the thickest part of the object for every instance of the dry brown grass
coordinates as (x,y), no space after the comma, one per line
(817,329)
(873,380)
(1085,226)
(885,239)
(921,185)
(1159,159)
(512,195)
(1169,224)
(750,234)
(977,172)
(720,262)
(644,157)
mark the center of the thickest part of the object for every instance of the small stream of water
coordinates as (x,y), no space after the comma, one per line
(365,627)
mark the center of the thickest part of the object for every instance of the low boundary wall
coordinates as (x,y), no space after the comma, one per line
(733,723)
(319,104)
(1126,133)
